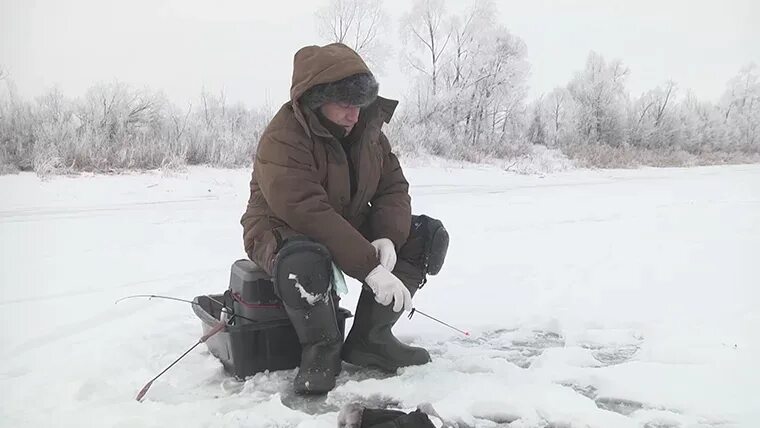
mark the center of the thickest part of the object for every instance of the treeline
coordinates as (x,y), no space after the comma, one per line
(594,120)
(115,127)
(467,100)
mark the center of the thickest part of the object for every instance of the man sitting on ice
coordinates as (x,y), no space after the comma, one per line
(327,188)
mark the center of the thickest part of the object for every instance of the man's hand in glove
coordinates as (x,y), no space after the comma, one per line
(388,288)
(386,252)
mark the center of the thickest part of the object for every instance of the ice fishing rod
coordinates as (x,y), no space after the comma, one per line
(417,311)
(227,310)
(156,296)
(217,328)
(224,309)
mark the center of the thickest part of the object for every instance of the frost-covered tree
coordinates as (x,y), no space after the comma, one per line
(360,24)
(599,94)
(467,41)
(557,111)
(494,95)
(537,128)
(653,122)
(703,127)
(471,76)
(741,107)
(16,128)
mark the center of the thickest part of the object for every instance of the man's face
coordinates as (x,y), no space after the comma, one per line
(343,114)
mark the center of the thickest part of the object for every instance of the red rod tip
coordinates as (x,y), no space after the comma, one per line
(143,391)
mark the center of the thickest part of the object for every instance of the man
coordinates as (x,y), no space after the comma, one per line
(327,188)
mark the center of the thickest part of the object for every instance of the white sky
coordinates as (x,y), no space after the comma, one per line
(246,47)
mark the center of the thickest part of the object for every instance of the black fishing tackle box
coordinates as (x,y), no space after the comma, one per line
(262,337)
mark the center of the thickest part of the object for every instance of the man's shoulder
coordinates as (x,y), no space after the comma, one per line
(285,125)
(284,137)
(285,130)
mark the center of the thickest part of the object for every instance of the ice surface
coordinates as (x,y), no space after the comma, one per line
(595,298)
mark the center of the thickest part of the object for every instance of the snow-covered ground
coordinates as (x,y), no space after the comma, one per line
(596,298)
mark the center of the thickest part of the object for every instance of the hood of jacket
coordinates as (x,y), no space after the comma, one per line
(316,65)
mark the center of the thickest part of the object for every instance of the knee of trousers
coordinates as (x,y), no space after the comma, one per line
(302,273)
(411,275)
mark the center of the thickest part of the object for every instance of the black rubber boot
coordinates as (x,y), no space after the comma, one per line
(302,280)
(371,342)
(317,329)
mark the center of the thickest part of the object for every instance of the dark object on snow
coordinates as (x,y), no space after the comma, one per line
(356,416)
(381,418)
(428,233)
(246,348)
(252,294)
(302,276)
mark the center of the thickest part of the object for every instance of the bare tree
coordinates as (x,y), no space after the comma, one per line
(359,24)
(466,32)
(652,119)
(661,103)
(537,128)
(471,79)
(425,34)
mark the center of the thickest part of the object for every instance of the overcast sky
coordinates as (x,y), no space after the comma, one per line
(246,47)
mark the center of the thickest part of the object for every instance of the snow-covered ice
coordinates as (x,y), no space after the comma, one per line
(595,298)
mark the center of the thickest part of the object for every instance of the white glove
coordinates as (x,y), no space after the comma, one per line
(388,288)
(386,252)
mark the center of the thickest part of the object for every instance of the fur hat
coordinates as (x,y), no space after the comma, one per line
(358,90)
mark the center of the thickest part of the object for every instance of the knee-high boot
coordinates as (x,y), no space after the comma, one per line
(371,342)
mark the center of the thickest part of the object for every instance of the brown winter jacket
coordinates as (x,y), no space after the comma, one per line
(301,185)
